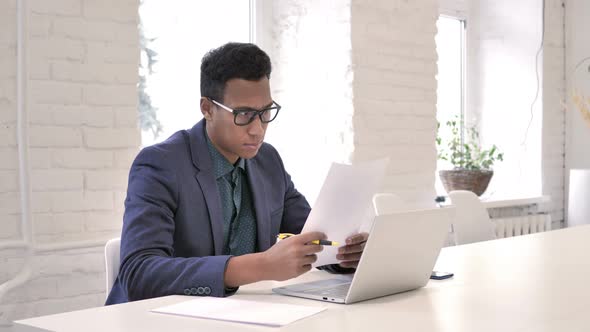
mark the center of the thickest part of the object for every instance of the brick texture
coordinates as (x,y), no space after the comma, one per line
(82,133)
(394,89)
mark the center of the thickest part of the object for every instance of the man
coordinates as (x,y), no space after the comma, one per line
(204,207)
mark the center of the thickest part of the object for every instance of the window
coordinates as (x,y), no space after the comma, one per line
(450,46)
(176,35)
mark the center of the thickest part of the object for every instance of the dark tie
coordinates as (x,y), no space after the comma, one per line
(242,229)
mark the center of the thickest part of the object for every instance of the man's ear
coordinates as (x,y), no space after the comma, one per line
(206,108)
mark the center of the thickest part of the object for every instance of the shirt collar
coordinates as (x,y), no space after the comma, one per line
(221,166)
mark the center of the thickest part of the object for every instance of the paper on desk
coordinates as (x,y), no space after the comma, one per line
(241,311)
(345,203)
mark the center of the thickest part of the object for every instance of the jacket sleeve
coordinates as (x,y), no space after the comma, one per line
(148,266)
(295,207)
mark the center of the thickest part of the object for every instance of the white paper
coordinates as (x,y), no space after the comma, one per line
(241,311)
(345,203)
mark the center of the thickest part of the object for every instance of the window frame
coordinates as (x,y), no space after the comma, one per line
(463,44)
(261,23)
(258,19)
(463,84)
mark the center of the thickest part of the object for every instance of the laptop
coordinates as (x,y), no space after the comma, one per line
(399,256)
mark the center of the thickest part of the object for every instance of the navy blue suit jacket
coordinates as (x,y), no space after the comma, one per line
(172,234)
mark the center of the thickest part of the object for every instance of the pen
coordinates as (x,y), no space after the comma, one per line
(325,242)
(282,236)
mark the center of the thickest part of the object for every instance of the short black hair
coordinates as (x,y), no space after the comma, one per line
(232,60)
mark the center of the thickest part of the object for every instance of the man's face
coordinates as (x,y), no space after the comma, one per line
(231,140)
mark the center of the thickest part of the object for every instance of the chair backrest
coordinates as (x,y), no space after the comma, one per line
(388,203)
(472,222)
(112,260)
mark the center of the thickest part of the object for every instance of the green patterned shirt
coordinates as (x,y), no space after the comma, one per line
(239,221)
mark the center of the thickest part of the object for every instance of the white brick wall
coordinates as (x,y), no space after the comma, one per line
(61,281)
(57,8)
(10,225)
(83,158)
(8,134)
(113,95)
(74,116)
(454,8)
(52,136)
(111,138)
(83,134)
(9,191)
(57,179)
(394,89)
(8,159)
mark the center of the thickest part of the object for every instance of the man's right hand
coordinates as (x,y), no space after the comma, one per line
(292,256)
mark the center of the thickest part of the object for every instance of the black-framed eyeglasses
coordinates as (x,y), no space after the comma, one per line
(244,116)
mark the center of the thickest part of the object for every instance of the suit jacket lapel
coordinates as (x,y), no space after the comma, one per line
(260,207)
(206,180)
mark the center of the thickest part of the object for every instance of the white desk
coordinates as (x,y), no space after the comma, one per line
(535,283)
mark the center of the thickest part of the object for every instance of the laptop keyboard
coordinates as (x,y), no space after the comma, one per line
(334,291)
(336,288)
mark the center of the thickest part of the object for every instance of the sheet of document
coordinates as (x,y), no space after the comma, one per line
(241,311)
(345,204)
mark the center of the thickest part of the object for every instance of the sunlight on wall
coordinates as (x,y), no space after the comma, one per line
(502,86)
(577,152)
(314,84)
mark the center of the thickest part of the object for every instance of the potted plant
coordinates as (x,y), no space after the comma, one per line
(472,165)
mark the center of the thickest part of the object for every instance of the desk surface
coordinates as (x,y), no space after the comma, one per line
(534,282)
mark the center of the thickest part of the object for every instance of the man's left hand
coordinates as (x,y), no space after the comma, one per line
(350,254)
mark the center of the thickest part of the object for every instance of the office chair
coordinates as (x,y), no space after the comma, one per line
(112,259)
(472,222)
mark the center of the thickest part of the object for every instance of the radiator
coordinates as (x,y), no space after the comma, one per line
(522,225)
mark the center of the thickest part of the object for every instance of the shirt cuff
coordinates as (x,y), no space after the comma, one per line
(229,291)
(337,269)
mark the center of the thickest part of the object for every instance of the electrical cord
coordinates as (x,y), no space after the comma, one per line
(536,72)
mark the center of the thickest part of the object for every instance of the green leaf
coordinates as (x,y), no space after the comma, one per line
(469,154)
